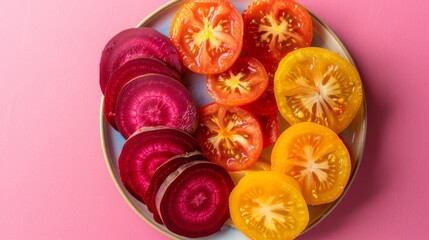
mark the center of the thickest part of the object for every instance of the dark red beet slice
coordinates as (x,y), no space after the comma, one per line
(128,71)
(154,100)
(146,150)
(193,200)
(161,173)
(134,42)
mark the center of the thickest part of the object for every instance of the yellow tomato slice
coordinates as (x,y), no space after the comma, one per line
(268,205)
(317,85)
(316,157)
(260,165)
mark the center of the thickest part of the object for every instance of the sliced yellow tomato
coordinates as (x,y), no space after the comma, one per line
(316,157)
(268,205)
(260,165)
(317,85)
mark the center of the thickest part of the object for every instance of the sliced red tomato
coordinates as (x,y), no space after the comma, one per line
(270,128)
(241,84)
(208,34)
(272,28)
(229,136)
(266,104)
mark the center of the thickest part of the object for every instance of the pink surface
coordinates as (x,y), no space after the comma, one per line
(53,179)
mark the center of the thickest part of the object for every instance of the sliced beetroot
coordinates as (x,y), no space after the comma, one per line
(161,173)
(142,41)
(154,100)
(145,151)
(128,71)
(193,200)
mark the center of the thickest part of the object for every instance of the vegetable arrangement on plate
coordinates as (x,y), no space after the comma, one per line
(194,166)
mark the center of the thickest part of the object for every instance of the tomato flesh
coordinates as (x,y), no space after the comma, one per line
(318,85)
(270,128)
(260,165)
(208,35)
(316,157)
(273,28)
(268,205)
(229,136)
(241,84)
(266,103)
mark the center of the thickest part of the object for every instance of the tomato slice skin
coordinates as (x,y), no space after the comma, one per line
(318,85)
(316,157)
(273,28)
(266,104)
(268,205)
(229,136)
(260,165)
(208,35)
(241,84)
(270,128)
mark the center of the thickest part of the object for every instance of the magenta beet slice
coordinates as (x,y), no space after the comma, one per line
(154,100)
(161,173)
(145,151)
(128,71)
(193,200)
(134,42)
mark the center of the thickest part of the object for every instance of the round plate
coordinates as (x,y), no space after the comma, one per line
(354,135)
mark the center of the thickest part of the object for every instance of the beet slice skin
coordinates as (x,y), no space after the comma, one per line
(193,200)
(162,173)
(145,151)
(132,42)
(129,70)
(154,100)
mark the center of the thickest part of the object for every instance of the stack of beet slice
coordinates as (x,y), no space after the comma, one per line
(164,168)
(140,74)
(135,42)
(161,173)
(160,163)
(131,69)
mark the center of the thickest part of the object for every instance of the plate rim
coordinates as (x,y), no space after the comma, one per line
(312,225)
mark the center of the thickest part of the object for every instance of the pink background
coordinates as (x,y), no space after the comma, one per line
(53,179)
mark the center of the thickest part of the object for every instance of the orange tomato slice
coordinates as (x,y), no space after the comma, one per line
(272,28)
(316,157)
(260,165)
(229,136)
(208,35)
(317,85)
(241,84)
(268,205)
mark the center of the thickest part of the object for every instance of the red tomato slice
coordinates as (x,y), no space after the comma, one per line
(272,28)
(266,104)
(229,136)
(243,83)
(208,34)
(270,128)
